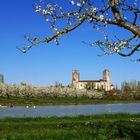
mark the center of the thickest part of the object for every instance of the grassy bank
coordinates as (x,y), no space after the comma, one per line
(98,127)
(60,101)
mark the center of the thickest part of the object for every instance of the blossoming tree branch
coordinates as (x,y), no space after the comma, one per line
(100,16)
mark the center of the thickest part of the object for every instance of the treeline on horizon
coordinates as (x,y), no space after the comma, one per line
(129,89)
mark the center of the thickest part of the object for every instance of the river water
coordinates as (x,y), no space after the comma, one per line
(68,110)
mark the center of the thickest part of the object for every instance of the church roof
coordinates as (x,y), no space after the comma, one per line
(101,80)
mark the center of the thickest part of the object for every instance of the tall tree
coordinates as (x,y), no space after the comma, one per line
(99,13)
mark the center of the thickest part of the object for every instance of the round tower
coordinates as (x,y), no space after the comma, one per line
(75,78)
(107,78)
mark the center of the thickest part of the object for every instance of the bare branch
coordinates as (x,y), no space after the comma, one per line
(108,12)
(131,52)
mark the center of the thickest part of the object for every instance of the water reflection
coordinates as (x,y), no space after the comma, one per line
(69,110)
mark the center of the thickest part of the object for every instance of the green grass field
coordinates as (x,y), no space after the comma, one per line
(98,127)
(60,101)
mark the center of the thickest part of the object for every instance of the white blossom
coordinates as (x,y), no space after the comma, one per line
(101,17)
(44,11)
(47,19)
(109,19)
(125,18)
(55,29)
(93,9)
(68,14)
(79,4)
(90,19)
(135,4)
(72,2)
(83,2)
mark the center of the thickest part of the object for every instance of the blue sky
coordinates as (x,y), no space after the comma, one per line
(47,63)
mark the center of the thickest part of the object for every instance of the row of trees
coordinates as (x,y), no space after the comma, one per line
(128,90)
(28,91)
(130,87)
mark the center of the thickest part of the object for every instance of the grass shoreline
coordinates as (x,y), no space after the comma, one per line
(16,101)
(96,127)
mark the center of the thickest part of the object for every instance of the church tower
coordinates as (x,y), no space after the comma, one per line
(106,77)
(75,78)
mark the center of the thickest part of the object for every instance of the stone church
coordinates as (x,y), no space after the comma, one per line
(104,83)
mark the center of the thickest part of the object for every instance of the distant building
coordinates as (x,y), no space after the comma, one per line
(1,78)
(104,83)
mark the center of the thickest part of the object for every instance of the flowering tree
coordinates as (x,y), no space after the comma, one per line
(100,14)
